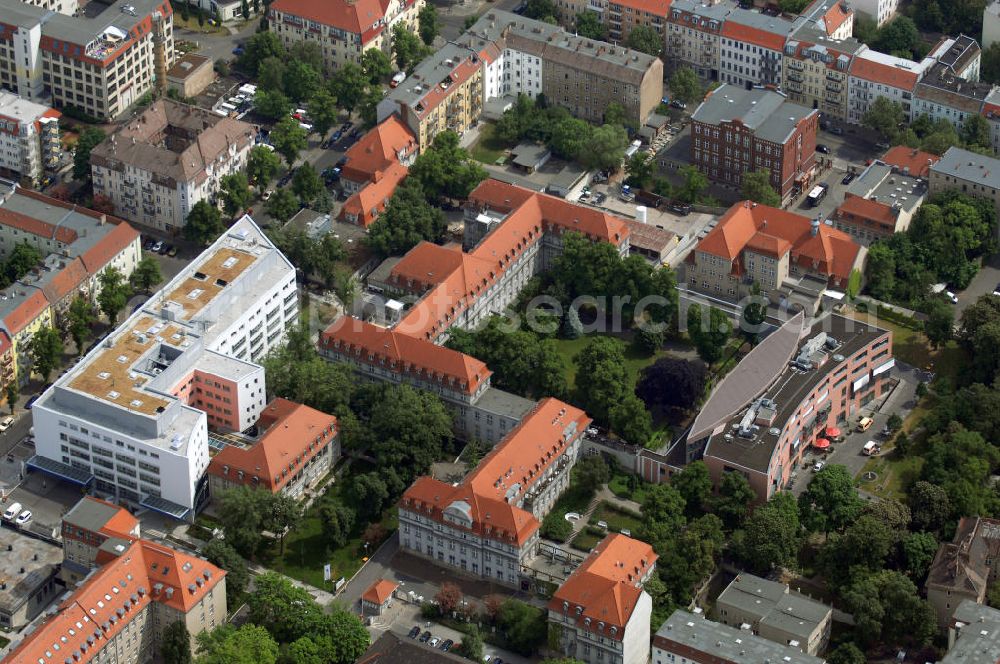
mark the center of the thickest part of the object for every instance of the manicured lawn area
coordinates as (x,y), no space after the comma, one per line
(616,519)
(895,473)
(305,549)
(585,541)
(635,360)
(488,148)
(620,487)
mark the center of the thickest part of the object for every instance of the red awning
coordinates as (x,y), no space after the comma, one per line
(832,432)
(821,444)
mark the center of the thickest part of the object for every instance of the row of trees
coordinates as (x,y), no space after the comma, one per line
(888,118)
(641,172)
(946,238)
(899,37)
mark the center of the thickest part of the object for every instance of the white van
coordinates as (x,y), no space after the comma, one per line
(871,448)
(12,512)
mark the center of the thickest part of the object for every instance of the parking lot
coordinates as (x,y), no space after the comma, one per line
(47,498)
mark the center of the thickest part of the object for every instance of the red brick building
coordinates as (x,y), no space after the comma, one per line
(735,131)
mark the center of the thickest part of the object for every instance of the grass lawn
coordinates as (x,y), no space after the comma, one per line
(585,541)
(635,359)
(895,473)
(305,551)
(488,148)
(616,519)
(619,487)
(4,641)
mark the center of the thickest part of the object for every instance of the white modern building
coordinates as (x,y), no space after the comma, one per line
(132,418)
(875,75)
(880,11)
(156,167)
(29,138)
(100,59)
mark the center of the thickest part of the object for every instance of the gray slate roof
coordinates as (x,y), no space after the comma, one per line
(768,113)
(773,603)
(979,639)
(90,515)
(78,30)
(727,643)
(966,165)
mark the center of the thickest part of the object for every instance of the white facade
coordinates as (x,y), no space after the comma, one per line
(68,7)
(591,648)
(124,414)
(879,11)
(991,24)
(29,137)
(863,92)
(522,73)
(742,63)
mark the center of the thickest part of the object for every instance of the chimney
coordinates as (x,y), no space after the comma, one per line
(814,226)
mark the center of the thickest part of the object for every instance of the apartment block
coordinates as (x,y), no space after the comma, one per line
(191,74)
(973,635)
(91,526)
(694,36)
(775,612)
(294,448)
(618,17)
(972,174)
(790,258)
(375,166)
(876,75)
(78,245)
(601,614)
(785,395)
(100,62)
(817,71)
(120,612)
(343,29)
(131,420)
(584,76)
(950,88)
(157,166)
(487,524)
(881,201)
(691,637)
(735,131)
(444,93)
(964,568)
(30,141)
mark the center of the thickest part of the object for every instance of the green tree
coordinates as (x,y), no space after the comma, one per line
(241,513)
(271,75)
(407,47)
(258,48)
(919,550)
(13,394)
(695,184)
(602,380)
(709,336)
(447,169)
(323,111)
(639,169)
(410,428)
(288,139)
(472,645)
(89,138)
(375,64)
(524,625)
(887,608)
(430,24)
(337,520)
(572,328)
(770,537)
(306,182)
(940,324)
(757,187)
(976,132)
(262,166)
(929,506)
(113,293)
(900,35)
(272,104)
(830,502)
(990,64)
(407,220)
(606,148)
(282,514)
(694,484)
(881,270)
(22,260)
(245,10)
(662,514)
(646,40)
(541,10)
(369,105)
(225,644)
(45,349)
(282,205)
(863,547)
(684,85)
(285,610)
(846,653)
(145,275)
(175,647)
(80,319)
(221,554)
(204,224)
(348,85)
(735,497)
(885,117)
(235,192)
(588,24)
(792,6)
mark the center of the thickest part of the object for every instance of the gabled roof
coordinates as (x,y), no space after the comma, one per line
(378,149)
(602,593)
(100,516)
(405,354)
(359,17)
(914,162)
(759,29)
(292,435)
(746,224)
(97,256)
(886,70)
(963,564)
(26,311)
(65,281)
(366,204)
(867,209)
(655,7)
(379,592)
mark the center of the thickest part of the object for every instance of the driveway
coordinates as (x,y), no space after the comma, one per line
(983,284)
(218,46)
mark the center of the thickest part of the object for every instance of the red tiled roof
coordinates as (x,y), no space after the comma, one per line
(917,161)
(462,72)
(405,354)
(110,598)
(732,29)
(878,72)
(867,209)
(833,252)
(34,226)
(835,17)
(122,523)
(112,244)
(293,434)
(30,308)
(67,280)
(378,150)
(369,202)
(654,7)
(379,592)
(603,591)
(359,17)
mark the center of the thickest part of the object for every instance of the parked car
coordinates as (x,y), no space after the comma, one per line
(12,511)
(172,251)
(31,402)
(157,246)
(446,646)
(165,249)
(837,131)
(337,135)
(148,244)
(996,291)
(6,422)
(267,195)
(415,632)
(425,637)
(433,643)
(818,466)
(238,50)
(347,125)
(356,133)
(342,161)
(600,198)
(820,147)
(678,104)
(680,208)
(849,178)
(23,518)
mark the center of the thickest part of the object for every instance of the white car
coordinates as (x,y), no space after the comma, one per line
(818,466)
(951,296)
(23,518)
(267,195)
(6,422)
(433,643)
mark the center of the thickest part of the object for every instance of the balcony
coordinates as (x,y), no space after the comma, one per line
(792,76)
(795,64)
(834,88)
(830,76)
(794,86)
